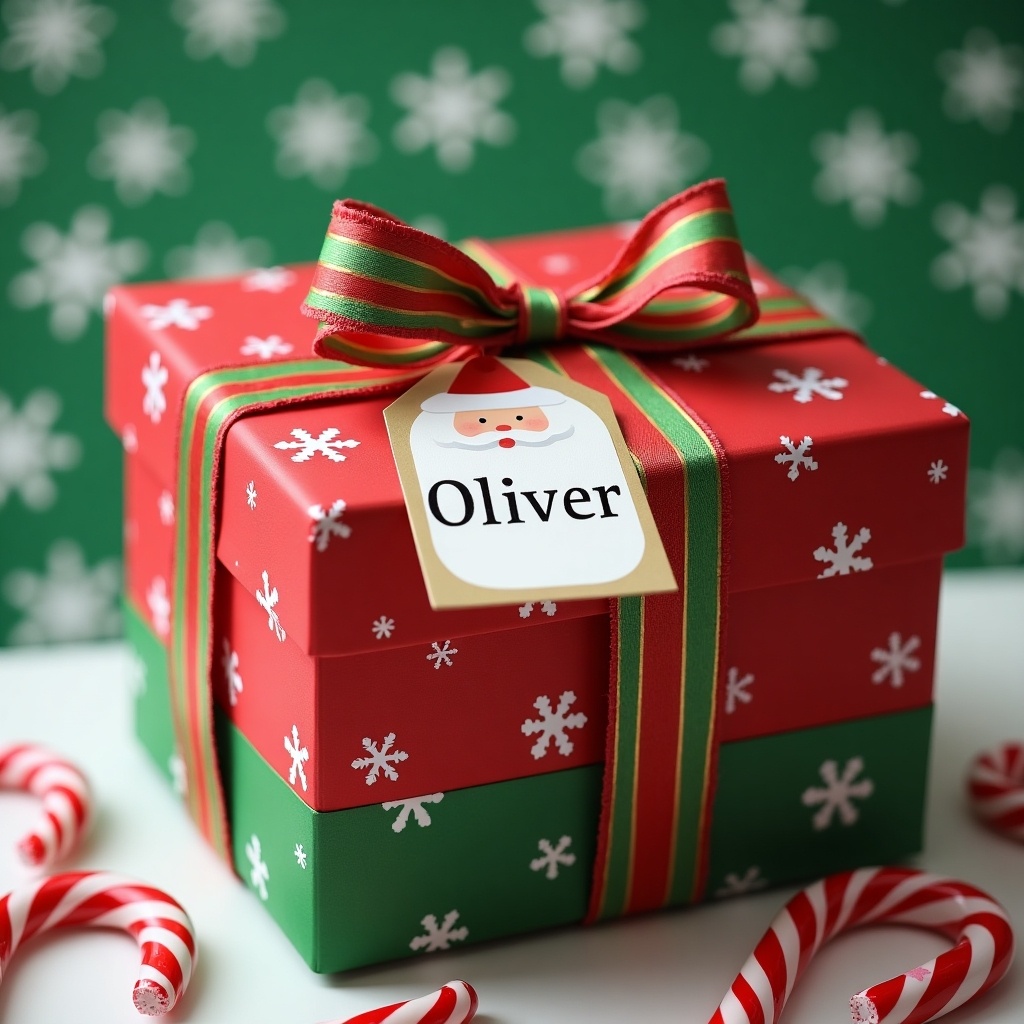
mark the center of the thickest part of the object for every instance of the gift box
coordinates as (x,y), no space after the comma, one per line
(399,779)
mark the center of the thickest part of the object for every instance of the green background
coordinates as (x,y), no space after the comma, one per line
(192,57)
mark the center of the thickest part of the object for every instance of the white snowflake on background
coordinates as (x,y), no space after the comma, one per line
(74,271)
(866,167)
(439,937)
(383,627)
(327,524)
(322,135)
(838,793)
(259,873)
(442,655)
(229,29)
(178,313)
(452,110)
(268,279)
(640,156)
(30,450)
(937,471)
(300,855)
(811,382)
(796,455)
(299,755)
(154,377)
(380,759)
(547,608)
(325,443)
(986,251)
(996,507)
(737,690)
(265,348)
(250,494)
(20,155)
(165,508)
(692,363)
(217,252)
(984,81)
(179,776)
(130,438)
(844,558)
(268,599)
(68,602)
(896,659)
(773,39)
(232,677)
(159,603)
(553,857)
(142,152)
(587,34)
(56,39)
(825,287)
(738,885)
(413,806)
(552,725)
(947,407)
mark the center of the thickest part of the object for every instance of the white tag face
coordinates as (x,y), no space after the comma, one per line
(519,487)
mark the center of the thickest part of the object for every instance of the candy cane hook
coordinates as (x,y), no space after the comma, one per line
(65,795)
(454,1003)
(101,900)
(996,786)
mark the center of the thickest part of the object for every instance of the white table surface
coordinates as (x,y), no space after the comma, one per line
(667,967)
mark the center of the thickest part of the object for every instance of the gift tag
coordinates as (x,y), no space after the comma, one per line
(520,487)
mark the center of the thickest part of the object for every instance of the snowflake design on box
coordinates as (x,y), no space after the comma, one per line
(552,725)
(996,507)
(176,313)
(736,690)
(547,608)
(179,775)
(324,443)
(233,684)
(844,558)
(154,376)
(159,603)
(442,655)
(587,34)
(452,110)
(250,494)
(986,251)
(773,39)
(415,807)
(826,288)
(30,450)
(439,937)
(268,279)
(299,755)
(229,29)
(216,252)
(866,167)
(937,471)
(327,524)
(265,348)
(796,455)
(947,407)
(838,793)
(739,885)
(383,627)
(641,156)
(165,508)
(130,438)
(895,660)
(553,857)
(691,363)
(984,81)
(322,135)
(142,152)
(811,382)
(68,602)
(20,155)
(558,264)
(55,39)
(74,271)
(259,873)
(380,759)
(268,598)
(300,855)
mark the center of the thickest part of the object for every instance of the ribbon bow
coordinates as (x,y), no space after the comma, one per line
(387,294)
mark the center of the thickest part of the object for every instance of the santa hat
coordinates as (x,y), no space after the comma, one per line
(487,383)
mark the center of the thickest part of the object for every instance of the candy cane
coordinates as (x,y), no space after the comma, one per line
(979,925)
(100,900)
(455,1003)
(65,796)
(996,786)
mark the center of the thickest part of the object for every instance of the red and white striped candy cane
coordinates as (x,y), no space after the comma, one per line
(65,795)
(455,1003)
(100,900)
(996,786)
(979,926)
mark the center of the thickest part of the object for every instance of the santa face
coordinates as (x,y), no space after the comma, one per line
(480,429)
(480,421)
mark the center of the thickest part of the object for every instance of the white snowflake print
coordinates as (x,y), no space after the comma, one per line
(265,348)
(641,156)
(773,39)
(413,806)
(547,608)
(844,558)
(996,507)
(947,407)
(558,264)
(381,759)
(796,455)
(739,885)
(268,598)
(737,690)
(229,29)
(68,602)
(159,603)
(452,110)
(30,450)
(250,494)
(552,725)
(442,655)
(383,627)
(20,155)
(327,524)
(154,376)
(216,252)
(825,287)
(937,471)
(811,382)
(165,508)
(838,793)
(866,167)
(142,152)
(259,873)
(984,81)
(268,279)
(553,857)
(324,443)
(232,677)
(130,438)
(179,776)
(300,855)
(692,363)
(56,39)
(176,313)
(586,34)
(986,251)
(439,937)
(322,135)
(74,271)
(299,756)
(895,660)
